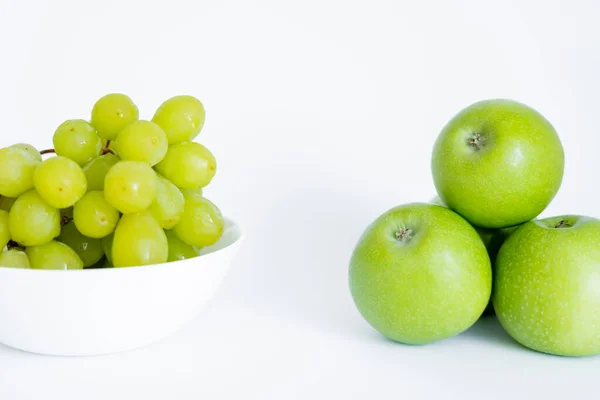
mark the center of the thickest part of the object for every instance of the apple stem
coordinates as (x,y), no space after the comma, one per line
(562,224)
(402,233)
(476,141)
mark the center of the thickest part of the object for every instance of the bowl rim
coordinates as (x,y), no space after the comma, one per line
(232,223)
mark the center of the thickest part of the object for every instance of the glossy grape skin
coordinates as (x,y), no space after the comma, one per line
(94,216)
(142,141)
(29,149)
(4,230)
(60,181)
(178,249)
(32,221)
(14,259)
(95,171)
(112,113)
(189,165)
(6,203)
(181,117)
(130,186)
(78,140)
(139,240)
(88,249)
(201,222)
(168,204)
(53,255)
(107,243)
(16,171)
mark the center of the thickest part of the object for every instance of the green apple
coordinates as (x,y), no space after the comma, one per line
(420,273)
(498,163)
(547,285)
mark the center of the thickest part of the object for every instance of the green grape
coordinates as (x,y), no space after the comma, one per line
(60,181)
(188,165)
(181,117)
(107,243)
(142,141)
(201,222)
(130,186)
(32,221)
(196,191)
(94,216)
(107,264)
(88,249)
(14,258)
(95,171)
(53,255)
(168,204)
(112,113)
(178,249)
(16,171)
(6,203)
(77,140)
(139,240)
(30,149)
(4,231)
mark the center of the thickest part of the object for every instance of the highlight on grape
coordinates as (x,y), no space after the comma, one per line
(114,191)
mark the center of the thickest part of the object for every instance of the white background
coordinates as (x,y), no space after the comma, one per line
(322,115)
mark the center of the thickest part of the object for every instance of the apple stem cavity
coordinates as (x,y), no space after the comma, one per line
(476,141)
(562,224)
(403,235)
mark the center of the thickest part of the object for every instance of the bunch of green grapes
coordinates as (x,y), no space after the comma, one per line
(115,191)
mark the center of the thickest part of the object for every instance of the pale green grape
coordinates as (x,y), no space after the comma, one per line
(130,186)
(188,165)
(88,249)
(196,191)
(139,240)
(112,113)
(30,149)
(107,243)
(95,171)
(53,255)
(201,222)
(32,221)
(168,204)
(181,117)
(94,216)
(178,249)
(6,203)
(60,181)
(4,230)
(77,140)
(142,141)
(16,171)
(14,259)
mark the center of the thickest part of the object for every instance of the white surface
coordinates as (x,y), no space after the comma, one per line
(104,311)
(322,115)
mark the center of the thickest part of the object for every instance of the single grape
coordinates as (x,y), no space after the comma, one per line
(60,181)
(32,221)
(188,165)
(95,171)
(14,258)
(6,203)
(181,117)
(201,222)
(107,243)
(142,141)
(35,153)
(53,255)
(168,204)
(196,191)
(94,216)
(88,249)
(139,240)
(77,140)
(178,249)
(112,113)
(130,186)
(16,171)
(4,230)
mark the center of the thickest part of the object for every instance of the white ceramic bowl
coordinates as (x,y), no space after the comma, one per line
(100,311)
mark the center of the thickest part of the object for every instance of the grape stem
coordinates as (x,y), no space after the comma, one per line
(106,149)
(47,151)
